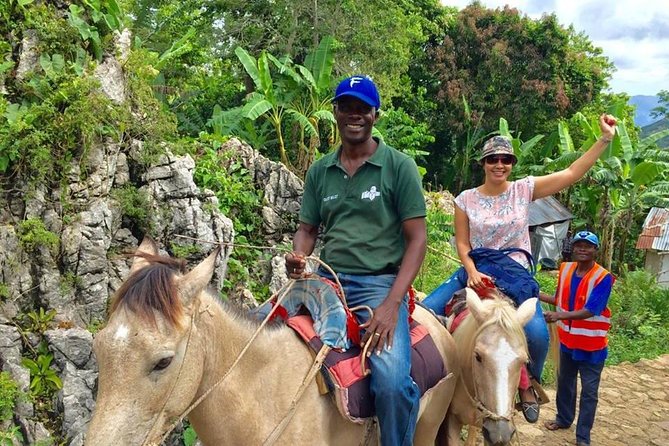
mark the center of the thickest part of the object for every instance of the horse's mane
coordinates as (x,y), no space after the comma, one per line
(502,315)
(152,288)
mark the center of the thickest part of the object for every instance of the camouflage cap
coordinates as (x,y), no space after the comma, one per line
(497,145)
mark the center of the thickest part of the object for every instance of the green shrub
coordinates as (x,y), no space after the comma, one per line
(44,381)
(639,320)
(184,251)
(4,291)
(9,393)
(37,321)
(33,235)
(134,205)
(10,435)
(239,200)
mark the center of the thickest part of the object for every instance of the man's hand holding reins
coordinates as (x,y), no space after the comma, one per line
(381,328)
(295,264)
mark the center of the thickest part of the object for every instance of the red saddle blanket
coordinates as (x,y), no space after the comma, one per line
(343,369)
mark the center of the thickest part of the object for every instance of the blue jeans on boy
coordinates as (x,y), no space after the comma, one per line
(396,395)
(591,374)
(536,330)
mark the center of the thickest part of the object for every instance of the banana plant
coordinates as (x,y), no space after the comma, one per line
(297,94)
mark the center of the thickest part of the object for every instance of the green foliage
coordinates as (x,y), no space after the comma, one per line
(233,186)
(4,291)
(441,260)
(69,282)
(134,205)
(93,21)
(184,251)
(240,201)
(155,124)
(37,321)
(33,235)
(640,315)
(293,98)
(662,110)
(95,325)
(44,381)
(57,120)
(401,131)
(9,393)
(10,435)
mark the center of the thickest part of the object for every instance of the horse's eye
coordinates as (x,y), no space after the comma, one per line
(162,364)
(477,355)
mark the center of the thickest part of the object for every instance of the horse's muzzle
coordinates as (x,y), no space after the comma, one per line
(497,432)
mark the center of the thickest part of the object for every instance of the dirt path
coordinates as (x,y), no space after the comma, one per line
(633,409)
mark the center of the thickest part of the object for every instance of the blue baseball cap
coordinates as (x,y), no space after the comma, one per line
(587,236)
(361,87)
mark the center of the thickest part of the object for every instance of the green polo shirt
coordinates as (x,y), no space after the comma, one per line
(362,215)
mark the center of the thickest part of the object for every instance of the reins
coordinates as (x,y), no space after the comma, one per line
(316,366)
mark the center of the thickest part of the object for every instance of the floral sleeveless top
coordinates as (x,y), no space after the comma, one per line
(500,221)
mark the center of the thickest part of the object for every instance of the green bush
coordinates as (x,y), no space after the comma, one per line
(134,205)
(33,235)
(9,393)
(239,200)
(639,320)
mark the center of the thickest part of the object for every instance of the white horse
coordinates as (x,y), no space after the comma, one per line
(492,348)
(168,342)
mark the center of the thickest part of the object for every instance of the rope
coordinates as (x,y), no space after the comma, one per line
(281,293)
(241,245)
(284,291)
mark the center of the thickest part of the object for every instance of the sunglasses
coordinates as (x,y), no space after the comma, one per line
(494,159)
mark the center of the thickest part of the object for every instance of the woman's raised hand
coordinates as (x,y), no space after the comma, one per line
(607,124)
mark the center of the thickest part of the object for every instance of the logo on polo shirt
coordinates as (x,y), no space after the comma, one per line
(370,194)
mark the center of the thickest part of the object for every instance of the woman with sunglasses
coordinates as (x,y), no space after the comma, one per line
(495,215)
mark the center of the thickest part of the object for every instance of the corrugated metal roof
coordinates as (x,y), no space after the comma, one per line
(655,231)
(547,210)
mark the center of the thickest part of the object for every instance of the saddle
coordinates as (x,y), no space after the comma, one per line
(319,315)
(343,372)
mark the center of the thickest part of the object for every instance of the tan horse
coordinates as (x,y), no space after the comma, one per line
(492,348)
(168,341)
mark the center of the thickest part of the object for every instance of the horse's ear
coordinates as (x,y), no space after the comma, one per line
(476,307)
(148,246)
(526,311)
(195,281)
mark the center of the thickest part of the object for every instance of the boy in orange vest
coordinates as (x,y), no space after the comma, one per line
(583,321)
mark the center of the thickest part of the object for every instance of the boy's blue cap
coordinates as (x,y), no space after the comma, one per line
(587,236)
(361,87)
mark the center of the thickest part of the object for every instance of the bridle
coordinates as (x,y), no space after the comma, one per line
(278,430)
(483,411)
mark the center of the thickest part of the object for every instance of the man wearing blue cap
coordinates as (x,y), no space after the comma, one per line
(368,199)
(583,321)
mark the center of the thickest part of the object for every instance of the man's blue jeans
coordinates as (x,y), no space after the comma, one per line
(396,395)
(591,374)
(536,330)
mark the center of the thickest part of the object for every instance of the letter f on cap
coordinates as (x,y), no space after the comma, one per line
(354,80)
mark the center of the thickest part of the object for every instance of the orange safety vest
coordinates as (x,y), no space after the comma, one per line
(583,334)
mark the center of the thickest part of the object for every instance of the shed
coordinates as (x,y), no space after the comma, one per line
(549,227)
(654,238)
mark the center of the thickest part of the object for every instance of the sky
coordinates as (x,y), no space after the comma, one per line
(634,35)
